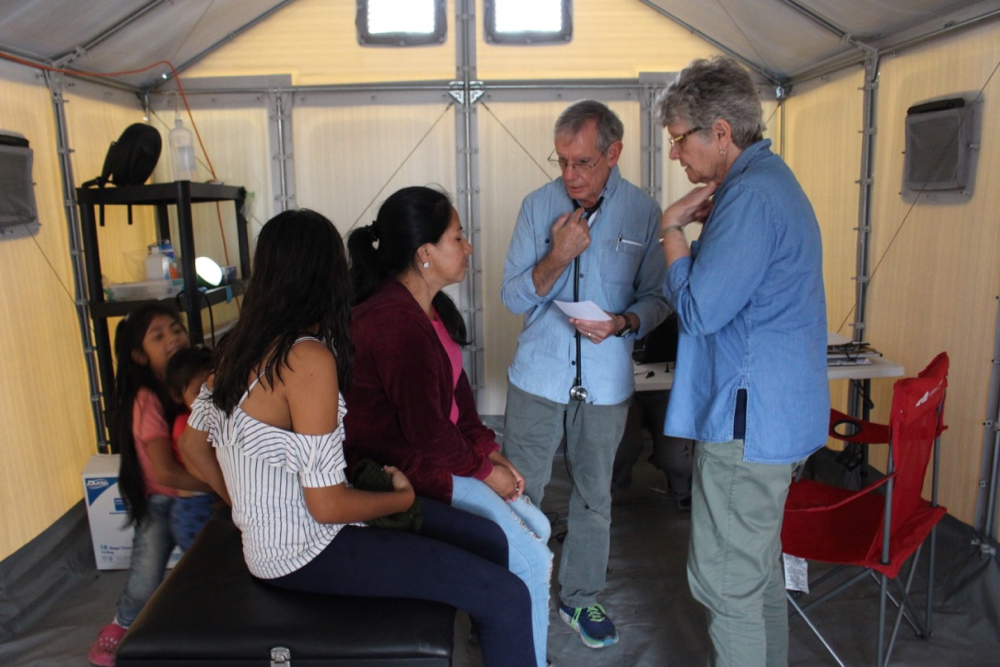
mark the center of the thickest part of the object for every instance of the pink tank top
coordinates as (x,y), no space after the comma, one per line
(455,356)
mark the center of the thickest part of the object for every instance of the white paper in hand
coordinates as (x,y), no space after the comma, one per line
(583,310)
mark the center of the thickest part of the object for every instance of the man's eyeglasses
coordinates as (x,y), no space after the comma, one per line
(584,165)
(675,142)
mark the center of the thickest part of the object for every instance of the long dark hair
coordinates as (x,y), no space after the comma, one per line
(299,282)
(130,377)
(408,219)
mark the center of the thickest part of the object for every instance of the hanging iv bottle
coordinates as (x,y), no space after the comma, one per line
(182,152)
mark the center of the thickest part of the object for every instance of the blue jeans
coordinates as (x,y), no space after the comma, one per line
(151,547)
(189,516)
(527,530)
(456,559)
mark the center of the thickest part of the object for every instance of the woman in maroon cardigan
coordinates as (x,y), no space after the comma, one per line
(410,404)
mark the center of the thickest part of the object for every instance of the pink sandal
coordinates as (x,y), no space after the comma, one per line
(102,651)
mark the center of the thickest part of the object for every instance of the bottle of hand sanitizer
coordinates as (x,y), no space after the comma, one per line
(182,152)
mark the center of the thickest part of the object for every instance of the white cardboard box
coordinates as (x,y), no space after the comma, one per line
(107,515)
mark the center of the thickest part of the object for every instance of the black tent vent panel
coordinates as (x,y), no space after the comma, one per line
(939,145)
(18,214)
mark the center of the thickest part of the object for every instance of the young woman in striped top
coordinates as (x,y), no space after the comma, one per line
(274,414)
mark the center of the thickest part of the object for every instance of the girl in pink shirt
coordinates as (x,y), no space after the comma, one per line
(149,477)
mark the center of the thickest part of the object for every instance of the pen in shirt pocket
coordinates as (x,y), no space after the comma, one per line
(626,242)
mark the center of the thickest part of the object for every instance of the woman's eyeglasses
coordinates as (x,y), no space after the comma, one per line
(676,141)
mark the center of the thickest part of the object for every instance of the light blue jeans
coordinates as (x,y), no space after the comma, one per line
(527,530)
(151,547)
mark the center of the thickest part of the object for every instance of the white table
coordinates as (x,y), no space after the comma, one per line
(880,367)
(658,376)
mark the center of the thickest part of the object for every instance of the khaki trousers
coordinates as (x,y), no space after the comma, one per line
(734,560)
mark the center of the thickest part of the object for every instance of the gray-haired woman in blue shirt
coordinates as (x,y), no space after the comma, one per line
(750,385)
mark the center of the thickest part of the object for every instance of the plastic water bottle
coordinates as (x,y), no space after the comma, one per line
(182,152)
(157,264)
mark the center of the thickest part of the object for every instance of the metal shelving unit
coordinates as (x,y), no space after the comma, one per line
(182,195)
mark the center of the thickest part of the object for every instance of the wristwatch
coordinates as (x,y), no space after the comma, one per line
(627,329)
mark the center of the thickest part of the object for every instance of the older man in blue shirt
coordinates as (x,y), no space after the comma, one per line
(592,223)
(750,384)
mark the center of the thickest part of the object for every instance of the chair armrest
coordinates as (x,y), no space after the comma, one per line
(810,496)
(857,430)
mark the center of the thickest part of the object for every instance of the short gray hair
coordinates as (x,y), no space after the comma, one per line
(609,127)
(708,90)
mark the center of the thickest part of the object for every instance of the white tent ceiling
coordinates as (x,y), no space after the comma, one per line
(783,40)
(789,40)
(106,36)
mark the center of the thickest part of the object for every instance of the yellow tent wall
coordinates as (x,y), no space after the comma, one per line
(934,265)
(44,397)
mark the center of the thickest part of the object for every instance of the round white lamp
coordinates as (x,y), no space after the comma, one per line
(208,271)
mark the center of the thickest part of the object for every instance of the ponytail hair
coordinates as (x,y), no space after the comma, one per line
(387,248)
(130,377)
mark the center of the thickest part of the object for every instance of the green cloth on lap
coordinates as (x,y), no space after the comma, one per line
(369,476)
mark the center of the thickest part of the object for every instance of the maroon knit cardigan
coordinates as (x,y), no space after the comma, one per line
(399,401)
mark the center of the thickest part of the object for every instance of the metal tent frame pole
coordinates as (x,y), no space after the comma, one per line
(280,136)
(857,402)
(986,502)
(55,85)
(466,91)
(651,136)
(62,61)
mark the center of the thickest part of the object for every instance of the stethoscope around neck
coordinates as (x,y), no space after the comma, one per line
(578,392)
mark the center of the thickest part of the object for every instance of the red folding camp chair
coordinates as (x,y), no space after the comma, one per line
(880,527)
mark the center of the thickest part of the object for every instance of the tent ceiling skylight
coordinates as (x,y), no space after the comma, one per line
(528,21)
(401,22)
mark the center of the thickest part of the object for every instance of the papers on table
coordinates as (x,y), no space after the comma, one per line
(833,338)
(583,310)
(842,351)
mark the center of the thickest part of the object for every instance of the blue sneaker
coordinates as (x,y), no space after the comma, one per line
(595,628)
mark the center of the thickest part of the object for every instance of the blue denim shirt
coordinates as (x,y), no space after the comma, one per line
(622,270)
(752,313)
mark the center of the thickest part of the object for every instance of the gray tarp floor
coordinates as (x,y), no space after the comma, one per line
(53,600)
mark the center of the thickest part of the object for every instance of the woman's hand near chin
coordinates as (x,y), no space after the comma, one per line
(692,207)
